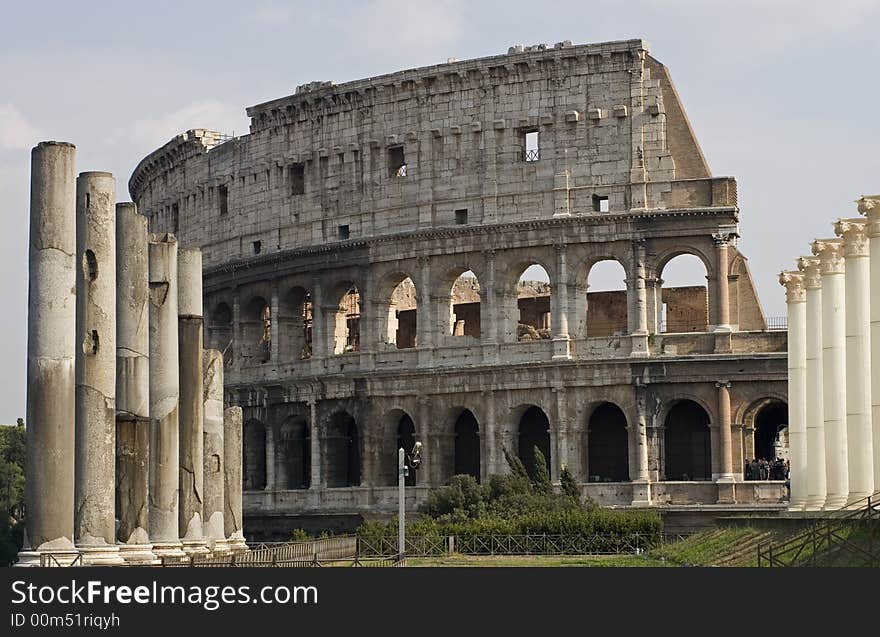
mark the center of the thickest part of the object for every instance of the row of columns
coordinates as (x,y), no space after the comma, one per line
(833,301)
(115,387)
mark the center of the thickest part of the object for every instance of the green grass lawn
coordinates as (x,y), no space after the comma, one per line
(537,560)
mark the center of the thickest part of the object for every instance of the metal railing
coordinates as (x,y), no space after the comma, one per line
(850,537)
(777,322)
(51,560)
(533,154)
(280,554)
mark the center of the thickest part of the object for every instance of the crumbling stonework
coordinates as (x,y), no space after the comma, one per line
(334,237)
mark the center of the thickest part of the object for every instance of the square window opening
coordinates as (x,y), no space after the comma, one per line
(532,149)
(297,179)
(175,218)
(396,162)
(344,232)
(223,194)
(461,216)
(258,247)
(601,203)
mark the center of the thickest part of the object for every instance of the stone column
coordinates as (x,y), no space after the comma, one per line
(860,465)
(559,456)
(214,465)
(425,325)
(815,419)
(192,400)
(831,266)
(639,475)
(870,207)
(722,300)
(270,457)
(232,513)
(164,398)
(796,298)
(237,340)
(490,439)
(315,446)
(95,420)
(490,315)
(561,339)
(638,302)
(52,266)
(132,385)
(274,343)
(726,477)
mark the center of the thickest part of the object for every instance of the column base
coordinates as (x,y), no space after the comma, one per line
(195,547)
(138,555)
(237,543)
(169,551)
(639,345)
(797,506)
(814,503)
(561,348)
(834,502)
(219,547)
(856,497)
(101,555)
(641,493)
(723,340)
(726,484)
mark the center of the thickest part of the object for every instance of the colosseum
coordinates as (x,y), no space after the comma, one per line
(409,257)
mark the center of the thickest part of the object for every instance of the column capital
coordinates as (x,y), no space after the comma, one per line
(723,239)
(812,277)
(795,289)
(489,255)
(723,384)
(830,253)
(560,247)
(855,236)
(869,205)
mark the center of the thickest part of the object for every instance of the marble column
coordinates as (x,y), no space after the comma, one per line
(232,495)
(192,400)
(132,385)
(214,465)
(561,339)
(95,419)
(164,398)
(831,266)
(870,207)
(49,474)
(639,475)
(796,300)
(815,420)
(860,465)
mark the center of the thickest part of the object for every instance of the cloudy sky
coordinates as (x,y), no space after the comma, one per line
(783,94)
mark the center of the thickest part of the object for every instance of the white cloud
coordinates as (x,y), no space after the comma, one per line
(15,131)
(210,114)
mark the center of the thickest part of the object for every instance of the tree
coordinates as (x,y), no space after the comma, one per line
(569,486)
(517,468)
(542,475)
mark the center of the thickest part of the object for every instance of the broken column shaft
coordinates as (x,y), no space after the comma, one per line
(132,385)
(189,310)
(214,462)
(50,351)
(164,397)
(232,514)
(94,488)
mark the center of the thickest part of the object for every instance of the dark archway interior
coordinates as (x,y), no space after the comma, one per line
(770,419)
(296,442)
(254,456)
(343,453)
(534,431)
(687,442)
(467,445)
(608,449)
(406,439)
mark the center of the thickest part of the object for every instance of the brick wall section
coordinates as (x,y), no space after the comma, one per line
(687,309)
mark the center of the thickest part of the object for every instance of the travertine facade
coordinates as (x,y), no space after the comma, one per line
(554,156)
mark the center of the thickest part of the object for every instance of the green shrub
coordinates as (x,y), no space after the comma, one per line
(542,473)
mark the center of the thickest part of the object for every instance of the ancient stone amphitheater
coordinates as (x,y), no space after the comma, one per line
(364,249)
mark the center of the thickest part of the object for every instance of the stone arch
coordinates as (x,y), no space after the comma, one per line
(684,307)
(687,442)
(220,330)
(533,430)
(345,318)
(466,453)
(397,308)
(607,298)
(579,288)
(530,304)
(767,417)
(461,313)
(255,330)
(607,444)
(295,324)
(296,453)
(342,451)
(254,455)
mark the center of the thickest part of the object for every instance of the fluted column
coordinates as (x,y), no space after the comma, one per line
(796,300)
(831,266)
(49,473)
(815,420)
(860,466)
(870,207)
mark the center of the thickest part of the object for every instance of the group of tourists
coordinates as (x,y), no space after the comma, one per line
(762,469)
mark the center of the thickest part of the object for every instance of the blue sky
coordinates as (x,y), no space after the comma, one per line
(782,94)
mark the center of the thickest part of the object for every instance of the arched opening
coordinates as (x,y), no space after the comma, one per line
(342,451)
(534,431)
(256,330)
(220,331)
(465,306)
(254,456)
(347,333)
(296,449)
(606,299)
(295,325)
(687,443)
(608,445)
(467,445)
(770,420)
(406,439)
(402,314)
(533,293)
(684,295)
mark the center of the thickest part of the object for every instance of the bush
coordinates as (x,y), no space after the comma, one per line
(569,486)
(462,499)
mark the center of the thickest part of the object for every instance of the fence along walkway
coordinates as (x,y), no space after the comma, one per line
(308,553)
(849,537)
